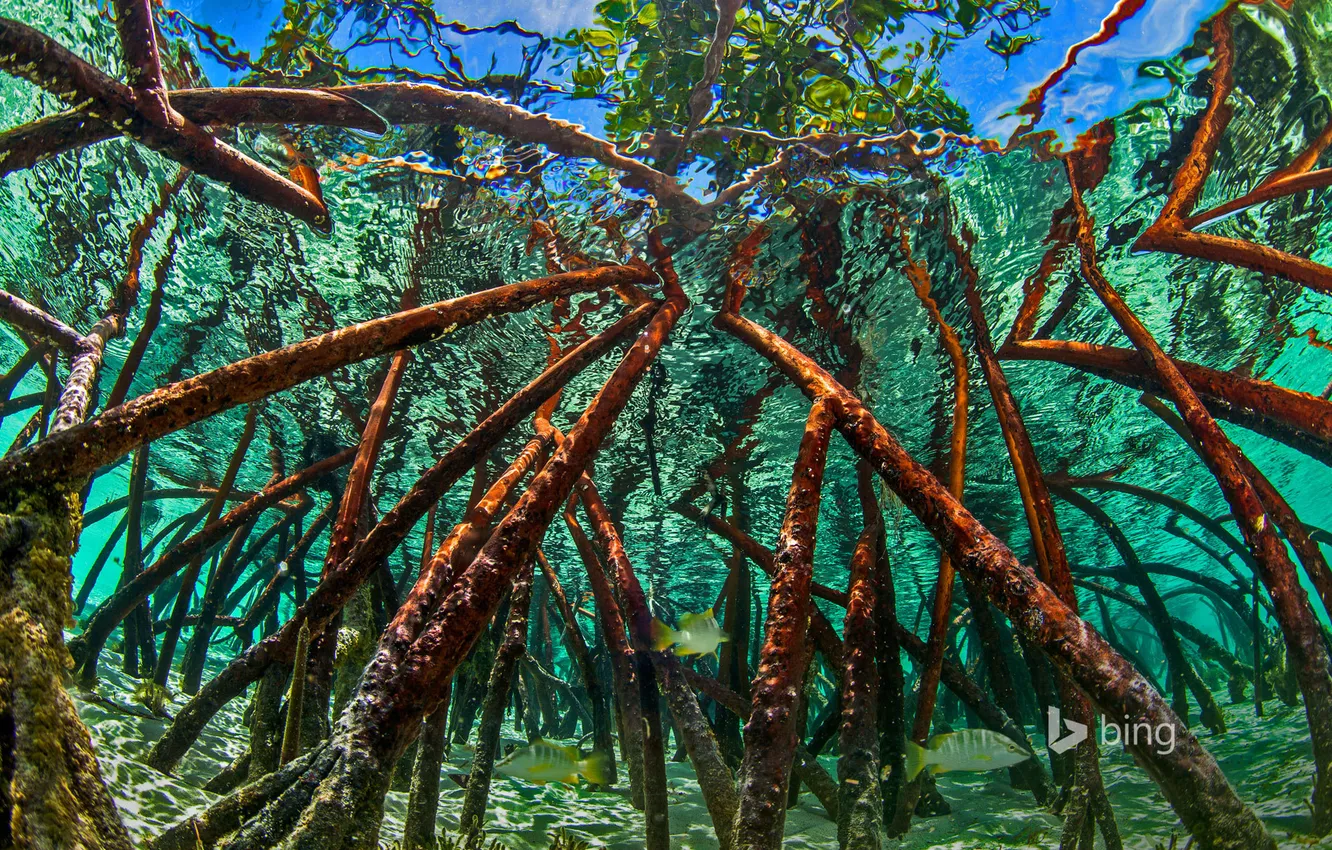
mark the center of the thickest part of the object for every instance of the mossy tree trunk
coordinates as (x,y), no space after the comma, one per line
(51,791)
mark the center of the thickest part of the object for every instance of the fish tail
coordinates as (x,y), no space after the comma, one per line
(662,635)
(596,768)
(915,760)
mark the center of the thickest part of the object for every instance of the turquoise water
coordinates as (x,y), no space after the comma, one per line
(711,422)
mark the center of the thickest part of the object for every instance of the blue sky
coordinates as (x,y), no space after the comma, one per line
(1105,81)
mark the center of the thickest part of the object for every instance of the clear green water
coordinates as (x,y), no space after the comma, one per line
(246,279)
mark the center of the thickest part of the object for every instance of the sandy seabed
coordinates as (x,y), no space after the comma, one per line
(1268,760)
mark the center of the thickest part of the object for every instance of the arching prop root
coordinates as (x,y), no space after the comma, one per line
(146,114)
(1297,535)
(1300,420)
(891,678)
(1083,784)
(770,733)
(87,646)
(714,777)
(624,677)
(1184,680)
(1176,230)
(1189,777)
(424,644)
(858,772)
(1208,647)
(1303,635)
(941,610)
(81,449)
(336,589)
(825,638)
(355,499)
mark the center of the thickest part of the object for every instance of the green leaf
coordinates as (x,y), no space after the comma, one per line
(967,14)
(827,94)
(591,77)
(599,38)
(649,15)
(614,10)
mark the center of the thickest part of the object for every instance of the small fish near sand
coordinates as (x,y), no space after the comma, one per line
(698,634)
(969,750)
(540,762)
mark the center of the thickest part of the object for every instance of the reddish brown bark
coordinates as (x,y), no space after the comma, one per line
(329,597)
(145,114)
(1047,539)
(1306,548)
(151,318)
(358,478)
(461,545)
(398,689)
(714,777)
(1300,420)
(338,800)
(365,107)
(860,804)
(770,733)
(82,449)
(1304,638)
(891,719)
(1038,283)
(39,140)
(1189,778)
(1175,229)
(355,498)
(900,638)
(127,293)
(941,613)
(1183,678)
(621,656)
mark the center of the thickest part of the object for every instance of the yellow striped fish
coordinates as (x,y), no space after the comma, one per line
(968,750)
(698,634)
(541,762)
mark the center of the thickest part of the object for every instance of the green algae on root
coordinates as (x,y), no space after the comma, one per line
(52,794)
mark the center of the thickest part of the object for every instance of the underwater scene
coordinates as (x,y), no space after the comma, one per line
(713,424)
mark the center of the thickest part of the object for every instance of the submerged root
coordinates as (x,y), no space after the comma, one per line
(52,793)
(331,797)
